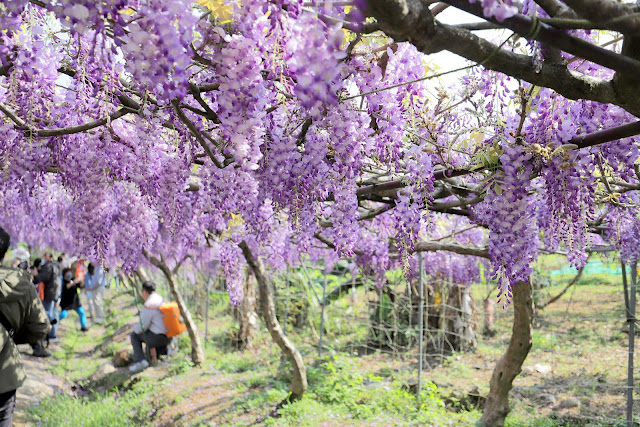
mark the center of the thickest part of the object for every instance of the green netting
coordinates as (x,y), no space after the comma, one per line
(593,267)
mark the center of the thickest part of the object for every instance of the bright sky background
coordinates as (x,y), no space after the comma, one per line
(449,61)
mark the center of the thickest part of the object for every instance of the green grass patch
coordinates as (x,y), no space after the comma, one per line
(66,357)
(233,362)
(542,341)
(341,392)
(97,410)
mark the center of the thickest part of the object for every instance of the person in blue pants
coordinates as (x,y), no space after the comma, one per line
(70,300)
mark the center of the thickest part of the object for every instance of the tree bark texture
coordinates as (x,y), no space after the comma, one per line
(197,352)
(460,327)
(489,317)
(246,315)
(412,21)
(510,364)
(268,311)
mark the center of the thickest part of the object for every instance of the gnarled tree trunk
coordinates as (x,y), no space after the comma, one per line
(510,364)
(197,352)
(299,383)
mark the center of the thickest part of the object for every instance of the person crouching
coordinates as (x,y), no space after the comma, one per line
(151,329)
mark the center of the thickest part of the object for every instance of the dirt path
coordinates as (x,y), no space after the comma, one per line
(184,395)
(40,383)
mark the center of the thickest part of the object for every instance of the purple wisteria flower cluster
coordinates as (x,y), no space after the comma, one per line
(181,130)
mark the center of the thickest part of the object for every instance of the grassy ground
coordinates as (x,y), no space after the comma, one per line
(578,360)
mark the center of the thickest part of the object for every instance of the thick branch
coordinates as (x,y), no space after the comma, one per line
(556,9)
(478,26)
(456,203)
(196,133)
(569,84)
(582,141)
(303,132)
(564,291)
(525,26)
(395,184)
(606,135)
(179,264)
(382,209)
(83,127)
(615,15)
(12,116)
(482,252)
(197,352)
(44,133)
(212,115)
(396,18)
(403,20)
(324,240)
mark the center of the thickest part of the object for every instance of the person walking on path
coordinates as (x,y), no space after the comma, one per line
(23,320)
(51,275)
(151,328)
(70,300)
(94,283)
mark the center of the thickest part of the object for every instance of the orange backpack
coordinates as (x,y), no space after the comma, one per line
(40,290)
(80,272)
(172,319)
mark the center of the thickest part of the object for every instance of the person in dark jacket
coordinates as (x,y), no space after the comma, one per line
(38,348)
(70,300)
(51,276)
(23,320)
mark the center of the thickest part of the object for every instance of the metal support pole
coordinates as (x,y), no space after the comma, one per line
(421,321)
(324,303)
(631,318)
(353,289)
(625,289)
(206,312)
(286,306)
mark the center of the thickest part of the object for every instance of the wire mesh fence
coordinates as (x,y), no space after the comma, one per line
(337,313)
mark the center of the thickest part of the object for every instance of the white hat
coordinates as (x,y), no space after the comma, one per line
(67,262)
(20,253)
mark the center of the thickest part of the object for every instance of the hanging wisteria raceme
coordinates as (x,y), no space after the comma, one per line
(242,100)
(624,230)
(568,194)
(570,201)
(374,259)
(411,203)
(387,108)
(509,212)
(157,47)
(500,9)
(313,55)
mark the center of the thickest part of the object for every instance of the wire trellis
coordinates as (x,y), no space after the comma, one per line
(362,319)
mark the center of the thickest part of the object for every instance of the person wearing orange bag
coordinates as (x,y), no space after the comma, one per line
(151,328)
